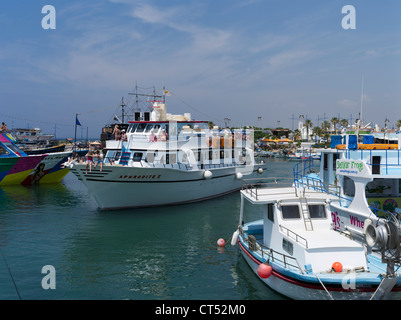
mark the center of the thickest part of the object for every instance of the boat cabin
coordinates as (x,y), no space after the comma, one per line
(297,224)
(8,147)
(175,141)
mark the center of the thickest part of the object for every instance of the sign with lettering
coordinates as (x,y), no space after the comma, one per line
(354,168)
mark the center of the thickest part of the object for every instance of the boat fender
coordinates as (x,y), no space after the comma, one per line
(366,224)
(221,242)
(260,170)
(337,267)
(207,174)
(234,238)
(238,175)
(264,271)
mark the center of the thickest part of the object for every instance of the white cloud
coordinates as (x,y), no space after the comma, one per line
(347,103)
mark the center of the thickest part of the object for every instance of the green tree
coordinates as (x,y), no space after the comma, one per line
(344,123)
(308,124)
(335,121)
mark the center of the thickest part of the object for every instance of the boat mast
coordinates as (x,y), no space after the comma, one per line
(122,108)
(360,113)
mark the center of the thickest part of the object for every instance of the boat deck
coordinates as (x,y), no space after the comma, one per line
(271,195)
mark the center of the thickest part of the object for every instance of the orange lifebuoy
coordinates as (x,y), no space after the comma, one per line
(209,141)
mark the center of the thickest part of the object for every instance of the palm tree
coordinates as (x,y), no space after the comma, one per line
(344,123)
(308,124)
(317,131)
(335,121)
(297,134)
(398,124)
(325,126)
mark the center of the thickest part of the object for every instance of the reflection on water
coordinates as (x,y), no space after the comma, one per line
(152,253)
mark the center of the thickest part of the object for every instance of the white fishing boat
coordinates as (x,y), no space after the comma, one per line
(34,135)
(296,250)
(170,159)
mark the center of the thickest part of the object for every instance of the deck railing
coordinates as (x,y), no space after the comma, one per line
(251,186)
(272,255)
(294,236)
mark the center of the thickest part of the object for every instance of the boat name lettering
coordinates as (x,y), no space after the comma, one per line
(350,165)
(336,220)
(356,222)
(150,176)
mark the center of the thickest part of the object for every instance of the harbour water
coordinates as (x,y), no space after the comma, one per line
(165,253)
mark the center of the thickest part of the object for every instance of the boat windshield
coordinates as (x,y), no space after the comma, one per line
(3,151)
(13,148)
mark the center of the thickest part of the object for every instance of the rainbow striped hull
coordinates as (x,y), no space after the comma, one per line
(14,170)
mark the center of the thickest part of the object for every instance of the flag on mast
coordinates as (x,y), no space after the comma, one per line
(77,121)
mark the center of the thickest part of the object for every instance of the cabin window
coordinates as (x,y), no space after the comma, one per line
(325,166)
(335,157)
(150,157)
(376,165)
(382,188)
(148,127)
(317,211)
(141,127)
(115,155)
(173,158)
(3,150)
(290,212)
(349,187)
(222,154)
(270,212)
(132,128)
(137,156)
(288,246)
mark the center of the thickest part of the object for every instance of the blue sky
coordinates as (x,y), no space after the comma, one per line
(237,59)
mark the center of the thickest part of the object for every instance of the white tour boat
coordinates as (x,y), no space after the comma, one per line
(170,159)
(297,251)
(366,176)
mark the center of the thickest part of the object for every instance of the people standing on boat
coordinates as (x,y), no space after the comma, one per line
(3,128)
(99,159)
(117,132)
(152,136)
(89,161)
(163,135)
(123,135)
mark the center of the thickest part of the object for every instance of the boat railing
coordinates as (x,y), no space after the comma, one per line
(271,254)
(390,159)
(251,186)
(301,169)
(294,236)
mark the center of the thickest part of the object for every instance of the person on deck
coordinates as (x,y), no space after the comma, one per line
(89,161)
(117,132)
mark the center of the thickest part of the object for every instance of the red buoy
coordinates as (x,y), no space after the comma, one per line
(264,271)
(337,267)
(221,242)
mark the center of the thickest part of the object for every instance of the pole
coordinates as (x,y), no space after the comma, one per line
(75,139)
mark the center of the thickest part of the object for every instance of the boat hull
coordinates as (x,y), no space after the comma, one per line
(297,289)
(49,170)
(117,187)
(14,170)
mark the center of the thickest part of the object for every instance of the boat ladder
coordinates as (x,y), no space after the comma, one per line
(306,214)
